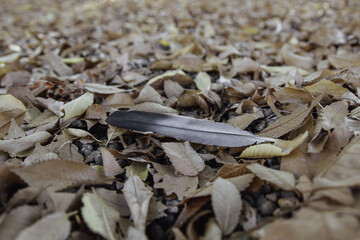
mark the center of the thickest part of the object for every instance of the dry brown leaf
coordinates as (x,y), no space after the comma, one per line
(58,65)
(245,120)
(95,111)
(153,107)
(172,89)
(102,89)
(184,158)
(59,230)
(226,203)
(290,122)
(230,170)
(39,154)
(14,131)
(282,179)
(117,100)
(55,107)
(14,79)
(138,198)
(241,183)
(21,144)
(326,87)
(18,219)
(69,151)
(59,174)
(333,115)
(181,185)
(148,94)
(347,164)
(111,166)
(313,225)
(42,119)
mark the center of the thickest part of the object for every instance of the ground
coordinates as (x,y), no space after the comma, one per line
(281,79)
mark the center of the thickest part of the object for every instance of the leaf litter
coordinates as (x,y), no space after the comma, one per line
(179,119)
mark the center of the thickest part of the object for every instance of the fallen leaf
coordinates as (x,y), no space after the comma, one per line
(39,154)
(180,185)
(290,122)
(59,174)
(313,225)
(14,131)
(202,81)
(279,148)
(18,219)
(172,89)
(14,79)
(100,217)
(58,65)
(102,89)
(138,198)
(148,94)
(78,106)
(14,146)
(333,115)
(111,166)
(326,87)
(226,203)
(175,75)
(54,106)
(59,230)
(282,179)
(153,107)
(184,158)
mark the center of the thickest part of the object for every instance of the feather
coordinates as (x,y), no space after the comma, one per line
(185,128)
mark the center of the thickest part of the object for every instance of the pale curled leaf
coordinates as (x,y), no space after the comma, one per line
(226,203)
(59,174)
(78,106)
(138,198)
(59,230)
(203,81)
(102,89)
(14,146)
(184,158)
(279,148)
(282,179)
(176,75)
(185,128)
(100,217)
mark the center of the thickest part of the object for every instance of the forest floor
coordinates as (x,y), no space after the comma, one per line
(287,71)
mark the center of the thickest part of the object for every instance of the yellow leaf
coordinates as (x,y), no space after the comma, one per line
(279,148)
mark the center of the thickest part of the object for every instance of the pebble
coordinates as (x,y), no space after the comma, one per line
(86,149)
(267,208)
(78,124)
(287,194)
(98,159)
